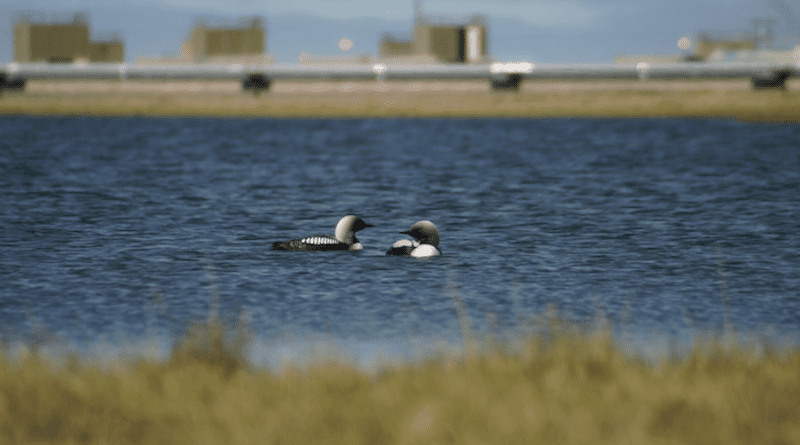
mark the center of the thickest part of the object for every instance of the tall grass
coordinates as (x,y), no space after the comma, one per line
(562,384)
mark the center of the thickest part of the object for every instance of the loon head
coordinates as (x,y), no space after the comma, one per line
(424,231)
(347,227)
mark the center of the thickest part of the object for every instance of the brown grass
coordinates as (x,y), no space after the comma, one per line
(563,386)
(733,99)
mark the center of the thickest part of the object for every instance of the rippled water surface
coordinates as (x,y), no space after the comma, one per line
(127,227)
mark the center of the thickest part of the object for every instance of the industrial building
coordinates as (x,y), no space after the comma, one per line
(63,42)
(242,42)
(444,40)
(716,46)
(707,44)
(707,47)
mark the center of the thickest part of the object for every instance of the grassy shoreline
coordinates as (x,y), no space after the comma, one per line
(567,386)
(732,99)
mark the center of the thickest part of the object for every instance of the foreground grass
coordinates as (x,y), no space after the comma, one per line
(565,387)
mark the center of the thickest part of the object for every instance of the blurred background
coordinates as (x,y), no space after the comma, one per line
(364,30)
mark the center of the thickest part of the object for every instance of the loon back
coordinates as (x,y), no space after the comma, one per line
(320,242)
(402,247)
(345,238)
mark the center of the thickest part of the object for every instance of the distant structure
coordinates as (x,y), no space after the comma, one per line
(716,46)
(763,33)
(707,44)
(63,42)
(439,39)
(706,47)
(354,59)
(243,42)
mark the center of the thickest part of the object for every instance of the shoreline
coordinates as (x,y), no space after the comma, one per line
(726,99)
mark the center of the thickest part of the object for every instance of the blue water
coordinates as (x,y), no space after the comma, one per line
(128,228)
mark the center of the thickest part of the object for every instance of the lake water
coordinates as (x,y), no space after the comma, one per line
(128,228)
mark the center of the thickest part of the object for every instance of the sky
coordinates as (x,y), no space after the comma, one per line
(519,30)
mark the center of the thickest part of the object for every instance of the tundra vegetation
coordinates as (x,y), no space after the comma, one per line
(730,99)
(559,383)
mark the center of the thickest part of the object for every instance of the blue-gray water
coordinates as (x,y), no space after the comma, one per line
(126,228)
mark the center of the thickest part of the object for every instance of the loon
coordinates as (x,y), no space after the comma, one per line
(426,243)
(344,238)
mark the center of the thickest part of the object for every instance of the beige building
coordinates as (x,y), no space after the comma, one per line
(63,43)
(244,42)
(111,50)
(713,47)
(440,40)
(707,45)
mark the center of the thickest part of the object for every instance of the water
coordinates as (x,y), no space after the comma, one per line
(132,228)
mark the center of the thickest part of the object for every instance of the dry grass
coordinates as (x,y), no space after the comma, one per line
(732,99)
(564,386)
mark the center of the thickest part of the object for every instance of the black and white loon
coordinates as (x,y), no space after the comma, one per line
(425,244)
(344,238)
